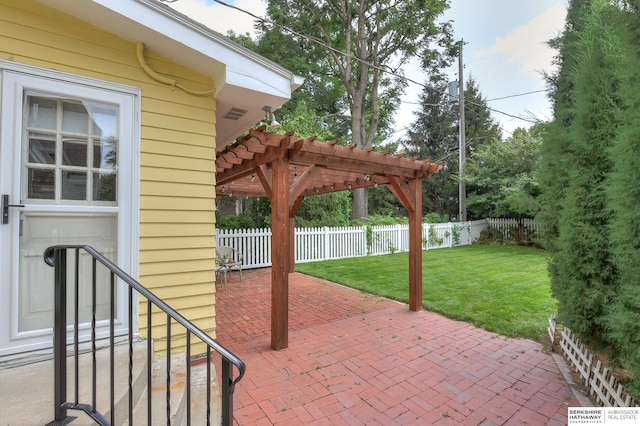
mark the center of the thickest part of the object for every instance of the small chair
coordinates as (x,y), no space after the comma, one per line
(231,258)
(221,271)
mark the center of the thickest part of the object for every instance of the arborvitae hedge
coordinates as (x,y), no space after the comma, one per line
(624,199)
(553,176)
(591,164)
(586,276)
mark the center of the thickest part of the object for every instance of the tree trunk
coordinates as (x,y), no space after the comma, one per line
(359,137)
(360,204)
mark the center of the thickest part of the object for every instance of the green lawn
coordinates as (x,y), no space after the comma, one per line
(504,289)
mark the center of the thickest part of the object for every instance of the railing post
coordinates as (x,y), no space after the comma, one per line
(60,334)
(227,393)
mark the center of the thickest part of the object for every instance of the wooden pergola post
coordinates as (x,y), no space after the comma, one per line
(280,253)
(411,199)
(415,247)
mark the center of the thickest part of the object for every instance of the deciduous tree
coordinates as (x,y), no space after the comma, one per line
(357,41)
(502,176)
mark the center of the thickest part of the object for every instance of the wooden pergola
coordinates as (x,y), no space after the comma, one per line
(286,169)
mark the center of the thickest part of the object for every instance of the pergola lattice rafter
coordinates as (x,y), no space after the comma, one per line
(325,166)
(286,169)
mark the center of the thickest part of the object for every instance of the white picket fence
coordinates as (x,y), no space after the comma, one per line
(507,227)
(325,243)
(603,386)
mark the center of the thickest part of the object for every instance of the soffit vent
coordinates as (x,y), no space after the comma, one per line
(235,113)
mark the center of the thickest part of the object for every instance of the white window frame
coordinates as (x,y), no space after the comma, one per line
(18,79)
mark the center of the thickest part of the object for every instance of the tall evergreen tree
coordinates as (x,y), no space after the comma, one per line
(434,135)
(480,127)
(555,160)
(591,180)
(624,199)
(584,275)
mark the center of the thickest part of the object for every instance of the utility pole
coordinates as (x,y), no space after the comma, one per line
(462,190)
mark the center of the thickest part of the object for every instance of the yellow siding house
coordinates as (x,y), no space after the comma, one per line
(111,114)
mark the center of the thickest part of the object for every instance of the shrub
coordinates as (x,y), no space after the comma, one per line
(490,235)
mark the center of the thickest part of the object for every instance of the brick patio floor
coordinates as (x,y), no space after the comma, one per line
(356,359)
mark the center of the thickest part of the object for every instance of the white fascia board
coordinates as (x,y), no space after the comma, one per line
(251,69)
(271,86)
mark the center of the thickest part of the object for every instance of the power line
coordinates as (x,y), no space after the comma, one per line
(486,106)
(511,115)
(516,95)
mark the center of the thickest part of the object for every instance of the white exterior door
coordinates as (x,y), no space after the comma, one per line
(66,166)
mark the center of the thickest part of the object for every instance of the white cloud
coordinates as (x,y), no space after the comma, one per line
(526,46)
(512,64)
(508,63)
(222,18)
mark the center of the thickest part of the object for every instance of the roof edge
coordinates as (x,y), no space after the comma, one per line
(159,7)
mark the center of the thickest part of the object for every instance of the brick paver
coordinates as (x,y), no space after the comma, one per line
(357,359)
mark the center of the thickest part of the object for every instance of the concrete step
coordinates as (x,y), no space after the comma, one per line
(27,391)
(178,400)
(27,394)
(199,396)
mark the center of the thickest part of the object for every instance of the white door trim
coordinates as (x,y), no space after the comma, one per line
(15,80)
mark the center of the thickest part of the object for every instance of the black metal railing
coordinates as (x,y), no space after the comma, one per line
(56,256)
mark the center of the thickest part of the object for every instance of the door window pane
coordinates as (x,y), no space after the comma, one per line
(74,118)
(104,154)
(104,120)
(41,184)
(42,148)
(42,113)
(74,185)
(104,186)
(74,152)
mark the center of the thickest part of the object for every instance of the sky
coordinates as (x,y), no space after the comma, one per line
(505,51)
